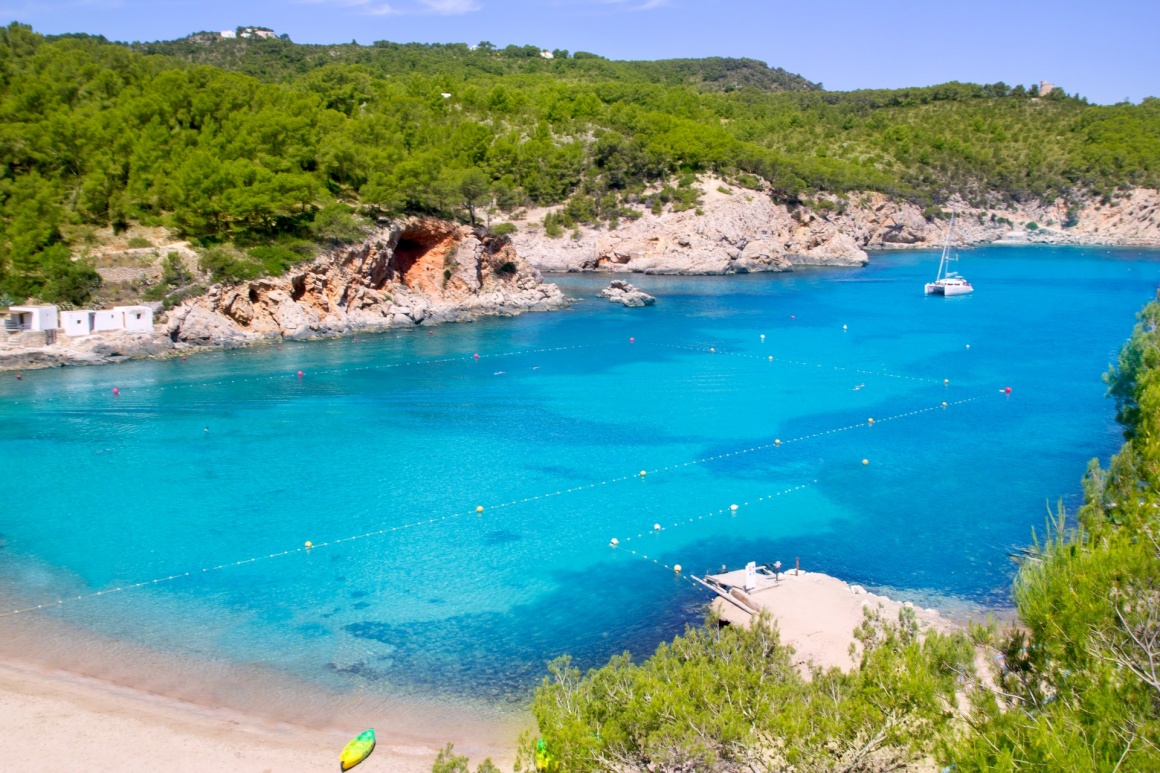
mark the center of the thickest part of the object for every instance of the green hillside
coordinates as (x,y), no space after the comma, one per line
(253,142)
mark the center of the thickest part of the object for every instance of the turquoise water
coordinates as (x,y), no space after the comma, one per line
(230,456)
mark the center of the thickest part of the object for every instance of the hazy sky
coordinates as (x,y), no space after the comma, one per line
(1105,51)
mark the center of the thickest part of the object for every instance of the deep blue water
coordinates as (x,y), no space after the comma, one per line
(101,491)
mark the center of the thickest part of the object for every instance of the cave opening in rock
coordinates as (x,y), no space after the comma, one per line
(419,257)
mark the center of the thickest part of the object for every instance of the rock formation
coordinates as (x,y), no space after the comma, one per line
(420,271)
(743,230)
(622,292)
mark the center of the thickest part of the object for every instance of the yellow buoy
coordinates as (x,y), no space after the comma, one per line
(479,509)
(865,461)
(677,568)
(776,442)
(869,421)
(771,358)
(643,473)
(944,405)
(946,381)
(309,544)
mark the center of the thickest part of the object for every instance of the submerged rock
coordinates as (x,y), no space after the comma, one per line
(622,292)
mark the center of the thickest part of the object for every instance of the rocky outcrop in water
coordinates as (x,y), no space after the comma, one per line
(739,231)
(622,292)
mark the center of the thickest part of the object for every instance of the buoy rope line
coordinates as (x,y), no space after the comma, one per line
(444,518)
(772,358)
(290,374)
(732,509)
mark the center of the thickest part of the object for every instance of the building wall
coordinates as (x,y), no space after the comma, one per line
(138,319)
(76,323)
(108,320)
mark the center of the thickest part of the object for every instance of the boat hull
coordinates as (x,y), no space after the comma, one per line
(936,288)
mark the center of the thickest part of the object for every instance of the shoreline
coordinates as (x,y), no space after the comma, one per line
(119,699)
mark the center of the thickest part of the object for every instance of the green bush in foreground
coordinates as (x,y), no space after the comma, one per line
(729,698)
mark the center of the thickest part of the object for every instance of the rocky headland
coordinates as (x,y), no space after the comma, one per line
(418,271)
(736,230)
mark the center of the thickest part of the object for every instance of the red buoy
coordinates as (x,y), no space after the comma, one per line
(632,340)
(19,376)
(477,356)
(183,358)
(791,316)
(1007,390)
(116,391)
(299,374)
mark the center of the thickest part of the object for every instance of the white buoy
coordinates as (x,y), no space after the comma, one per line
(865,461)
(677,568)
(776,442)
(733,507)
(615,542)
(656,527)
(712,349)
(844,327)
(968,346)
(763,336)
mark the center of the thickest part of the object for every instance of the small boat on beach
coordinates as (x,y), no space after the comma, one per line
(947,282)
(357,750)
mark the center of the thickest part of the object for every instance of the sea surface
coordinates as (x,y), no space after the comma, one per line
(209,475)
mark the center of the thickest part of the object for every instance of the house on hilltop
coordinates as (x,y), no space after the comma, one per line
(1045,88)
(256,32)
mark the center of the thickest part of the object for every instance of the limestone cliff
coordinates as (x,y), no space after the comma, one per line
(415,272)
(740,230)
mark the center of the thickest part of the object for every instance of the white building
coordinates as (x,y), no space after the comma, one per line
(31,318)
(107,319)
(77,323)
(229,33)
(135,319)
(547,55)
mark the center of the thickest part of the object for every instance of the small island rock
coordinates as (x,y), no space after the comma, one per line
(622,292)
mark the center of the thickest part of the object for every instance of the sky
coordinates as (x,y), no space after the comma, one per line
(1106,52)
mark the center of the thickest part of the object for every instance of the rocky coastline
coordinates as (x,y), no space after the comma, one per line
(424,271)
(736,230)
(418,271)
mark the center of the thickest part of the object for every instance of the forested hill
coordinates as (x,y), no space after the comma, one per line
(97,135)
(278,59)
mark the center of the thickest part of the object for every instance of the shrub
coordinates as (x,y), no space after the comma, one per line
(138,242)
(1033,226)
(507,268)
(504,229)
(337,222)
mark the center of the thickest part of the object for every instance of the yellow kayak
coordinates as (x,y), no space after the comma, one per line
(357,750)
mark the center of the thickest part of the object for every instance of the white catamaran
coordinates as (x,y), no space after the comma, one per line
(948,282)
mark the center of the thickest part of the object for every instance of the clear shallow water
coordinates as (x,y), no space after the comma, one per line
(398,429)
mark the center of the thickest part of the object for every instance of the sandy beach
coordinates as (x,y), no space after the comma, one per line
(61,721)
(72,700)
